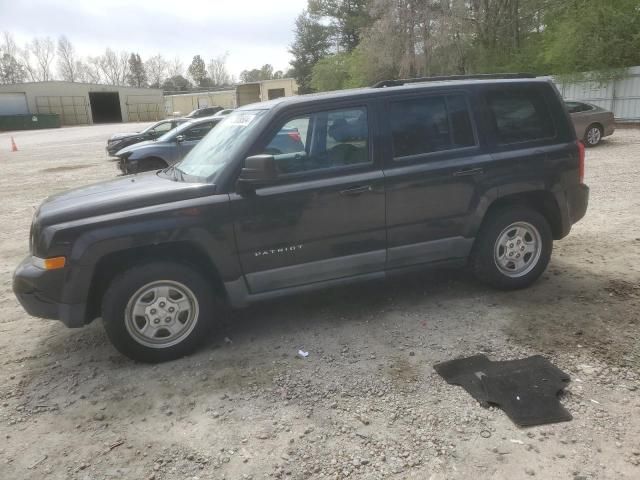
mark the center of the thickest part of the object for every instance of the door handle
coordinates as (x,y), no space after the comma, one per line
(468,171)
(357,190)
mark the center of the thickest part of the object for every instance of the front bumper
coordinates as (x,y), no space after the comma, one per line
(37,291)
(113,148)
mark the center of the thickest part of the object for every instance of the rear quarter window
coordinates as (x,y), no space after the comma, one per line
(520,115)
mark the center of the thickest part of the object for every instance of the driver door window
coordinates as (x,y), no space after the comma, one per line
(161,129)
(322,140)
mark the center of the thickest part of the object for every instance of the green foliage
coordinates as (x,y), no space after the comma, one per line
(592,35)
(259,74)
(198,71)
(11,71)
(310,45)
(340,70)
(137,76)
(348,19)
(176,83)
(379,39)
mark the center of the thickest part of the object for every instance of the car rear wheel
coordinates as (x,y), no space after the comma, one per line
(593,135)
(158,311)
(513,248)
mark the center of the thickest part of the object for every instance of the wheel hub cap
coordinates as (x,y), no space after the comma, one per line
(161,314)
(593,136)
(517,249)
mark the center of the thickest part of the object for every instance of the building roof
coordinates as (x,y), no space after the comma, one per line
(102,85)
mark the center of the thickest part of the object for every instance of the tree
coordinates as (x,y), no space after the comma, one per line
(44,52)
(218,71)
(176,83)
(311,43)
(90,71)
(175,67)
(347,18)
(114,66)
(586,35)
(156,68)
(198,71)
(137,76)
(67,63)
(341,70)
(257,74)
(11,70)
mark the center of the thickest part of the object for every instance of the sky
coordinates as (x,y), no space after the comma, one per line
(253,32)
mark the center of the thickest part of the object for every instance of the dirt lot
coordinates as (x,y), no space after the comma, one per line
(366,402)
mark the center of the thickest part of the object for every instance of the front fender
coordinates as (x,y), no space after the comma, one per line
(202,222)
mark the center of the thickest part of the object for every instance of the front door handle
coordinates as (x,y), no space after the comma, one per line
(468,171)
(357,190)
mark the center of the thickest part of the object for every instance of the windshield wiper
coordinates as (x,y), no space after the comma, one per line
(176,174)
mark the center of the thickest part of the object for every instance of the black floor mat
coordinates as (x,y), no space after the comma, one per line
(526,389)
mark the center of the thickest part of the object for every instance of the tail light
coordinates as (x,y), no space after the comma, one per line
(295,136)
(580,161)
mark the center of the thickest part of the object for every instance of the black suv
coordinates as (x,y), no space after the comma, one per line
(479,172)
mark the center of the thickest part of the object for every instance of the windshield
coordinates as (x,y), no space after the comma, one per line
(150,127)
(215,149)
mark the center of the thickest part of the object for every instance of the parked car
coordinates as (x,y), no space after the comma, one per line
(483,172)
(166,150)
(204,112)
(224,113)
(118,141)
(591,122)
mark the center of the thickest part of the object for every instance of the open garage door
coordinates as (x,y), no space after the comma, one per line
(105,107)
(13,104)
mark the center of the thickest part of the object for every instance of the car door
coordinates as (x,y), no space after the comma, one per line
(192,135)
(434,170)
(323,219)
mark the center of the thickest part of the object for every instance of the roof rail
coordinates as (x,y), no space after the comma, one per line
(481,76)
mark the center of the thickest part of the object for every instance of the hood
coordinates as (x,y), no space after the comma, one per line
(124,193)
(120,136)
(140,146)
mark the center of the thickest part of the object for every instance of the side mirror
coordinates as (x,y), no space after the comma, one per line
(258,170)
(180,138)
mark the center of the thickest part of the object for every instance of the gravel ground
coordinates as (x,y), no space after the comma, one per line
(366,402)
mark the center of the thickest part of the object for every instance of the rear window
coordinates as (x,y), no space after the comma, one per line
(430,124)
(577,107)
(520,115)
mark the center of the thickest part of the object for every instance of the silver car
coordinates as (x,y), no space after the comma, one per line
(592,123)
(168,149)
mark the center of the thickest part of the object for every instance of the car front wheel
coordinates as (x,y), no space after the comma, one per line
(158,311)
(513,248)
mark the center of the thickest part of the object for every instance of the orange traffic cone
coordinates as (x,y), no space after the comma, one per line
(14,147)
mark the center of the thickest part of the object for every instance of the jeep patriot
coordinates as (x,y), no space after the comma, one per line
(310,191)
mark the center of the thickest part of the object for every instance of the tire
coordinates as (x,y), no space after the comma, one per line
(138,317)
(593,135)
(494,255)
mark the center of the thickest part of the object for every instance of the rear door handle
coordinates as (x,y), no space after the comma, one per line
(469,171)
(357,190)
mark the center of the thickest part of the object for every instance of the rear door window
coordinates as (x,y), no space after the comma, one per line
(430,124)
(520,115)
